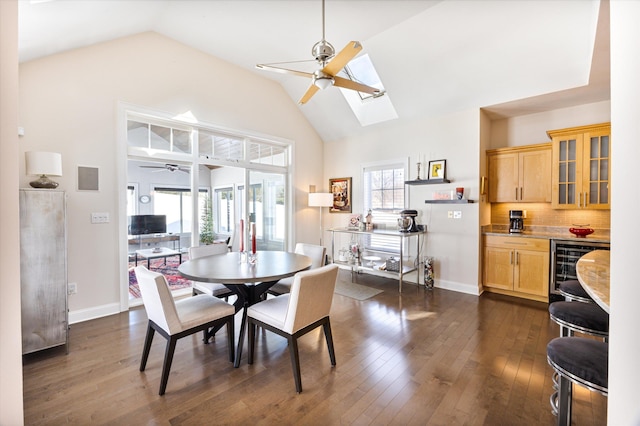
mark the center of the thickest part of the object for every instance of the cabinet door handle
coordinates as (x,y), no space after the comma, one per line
(586,197)
(511,258)
(580,200)
(516,193)
(517,258)
(521,194)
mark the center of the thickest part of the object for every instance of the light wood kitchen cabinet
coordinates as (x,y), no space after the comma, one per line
(517,266)
(581,167)
(520,174)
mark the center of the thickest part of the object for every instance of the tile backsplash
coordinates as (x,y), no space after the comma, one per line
(541,214)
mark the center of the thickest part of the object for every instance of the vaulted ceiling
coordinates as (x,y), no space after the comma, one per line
(434,57)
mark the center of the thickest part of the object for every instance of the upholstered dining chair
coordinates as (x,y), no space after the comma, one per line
(212,289)
(315,252)
(176,319)
(234,240)
(294,314)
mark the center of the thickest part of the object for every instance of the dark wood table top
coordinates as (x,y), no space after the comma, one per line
(227,269)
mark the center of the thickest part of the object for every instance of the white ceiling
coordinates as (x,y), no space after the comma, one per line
(434,57)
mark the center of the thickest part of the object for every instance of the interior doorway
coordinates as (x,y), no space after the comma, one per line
(201,181)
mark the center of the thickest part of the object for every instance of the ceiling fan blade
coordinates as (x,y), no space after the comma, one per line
(308,94)
(267,67)
(350,84)
(342,58)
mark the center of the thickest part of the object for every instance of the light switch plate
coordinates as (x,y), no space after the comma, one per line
(99,217)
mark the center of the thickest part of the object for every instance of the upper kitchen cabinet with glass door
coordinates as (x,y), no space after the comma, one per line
(581,167)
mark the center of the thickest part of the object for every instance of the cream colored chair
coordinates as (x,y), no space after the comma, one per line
(315,252)
(212,289)
(176,319)
(294,314)
(234,240)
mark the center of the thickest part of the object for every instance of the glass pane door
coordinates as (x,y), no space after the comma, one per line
(267,201)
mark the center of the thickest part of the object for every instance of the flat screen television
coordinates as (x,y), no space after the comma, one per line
(147,224)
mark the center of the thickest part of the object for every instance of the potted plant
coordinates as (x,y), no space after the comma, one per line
(206,223)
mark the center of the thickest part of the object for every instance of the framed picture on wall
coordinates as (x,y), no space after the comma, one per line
(341,190)
(437,169)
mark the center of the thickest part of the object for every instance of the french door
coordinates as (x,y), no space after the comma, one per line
(266,207)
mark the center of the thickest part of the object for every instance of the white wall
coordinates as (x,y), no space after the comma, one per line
(532,128)
(69,103)
(624,369)
(11,408)
(455,138)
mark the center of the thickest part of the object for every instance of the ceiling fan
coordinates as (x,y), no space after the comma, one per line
(325,54)
(167,167)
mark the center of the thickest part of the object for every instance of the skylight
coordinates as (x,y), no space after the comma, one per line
(368,109)
(361,69)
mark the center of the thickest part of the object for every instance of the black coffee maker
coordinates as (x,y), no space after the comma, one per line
(516,221)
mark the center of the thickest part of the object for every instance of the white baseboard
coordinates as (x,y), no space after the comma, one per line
(473,289)
(459,287)
(93,313)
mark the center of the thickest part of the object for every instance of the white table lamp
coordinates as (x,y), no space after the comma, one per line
(43,164)
(320,200)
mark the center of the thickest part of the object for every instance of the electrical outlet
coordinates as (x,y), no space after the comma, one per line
(72,288)
(457,214)
(99,217)
(450,214)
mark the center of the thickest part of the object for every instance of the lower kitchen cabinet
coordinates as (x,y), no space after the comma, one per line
(517,266)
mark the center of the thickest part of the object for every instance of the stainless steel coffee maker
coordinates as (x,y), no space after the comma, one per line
(516,221)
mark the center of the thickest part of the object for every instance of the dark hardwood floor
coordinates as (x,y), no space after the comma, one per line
(424,357)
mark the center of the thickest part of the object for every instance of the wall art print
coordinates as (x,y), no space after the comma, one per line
(341,190)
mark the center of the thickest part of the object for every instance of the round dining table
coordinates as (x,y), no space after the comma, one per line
(249,282)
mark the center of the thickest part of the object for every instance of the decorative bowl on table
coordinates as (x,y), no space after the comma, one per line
(581,231)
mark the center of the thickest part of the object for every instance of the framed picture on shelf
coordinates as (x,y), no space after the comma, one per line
(437,169)
(354,221)
(341,190)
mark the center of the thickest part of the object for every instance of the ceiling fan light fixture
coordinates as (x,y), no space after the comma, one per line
(322,80)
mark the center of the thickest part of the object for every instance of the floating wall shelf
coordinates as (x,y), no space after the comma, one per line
(448,201)
(426,181)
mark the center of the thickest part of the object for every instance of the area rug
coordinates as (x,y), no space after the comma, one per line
(169,270)
(355,291)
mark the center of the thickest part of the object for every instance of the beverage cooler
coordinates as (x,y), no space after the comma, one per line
(564,256)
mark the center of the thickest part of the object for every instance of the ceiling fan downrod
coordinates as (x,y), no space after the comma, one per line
(323,50)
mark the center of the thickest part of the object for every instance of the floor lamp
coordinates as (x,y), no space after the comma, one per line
(320,200)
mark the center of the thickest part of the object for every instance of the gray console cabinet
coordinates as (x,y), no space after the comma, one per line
(43,269)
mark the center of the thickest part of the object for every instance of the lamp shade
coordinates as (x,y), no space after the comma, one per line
(320,199)
(43,163)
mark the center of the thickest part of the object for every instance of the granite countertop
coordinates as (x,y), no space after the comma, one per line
(550,232)
(593,273)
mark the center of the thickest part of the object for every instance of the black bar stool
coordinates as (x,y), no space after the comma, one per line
(572,290)
(576,360)
(587,318)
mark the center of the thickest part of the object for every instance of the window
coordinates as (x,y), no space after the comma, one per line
(361,70)
(383,187)
(224,211)
(158,137)
(368,109)
(175,203)
(132,200)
